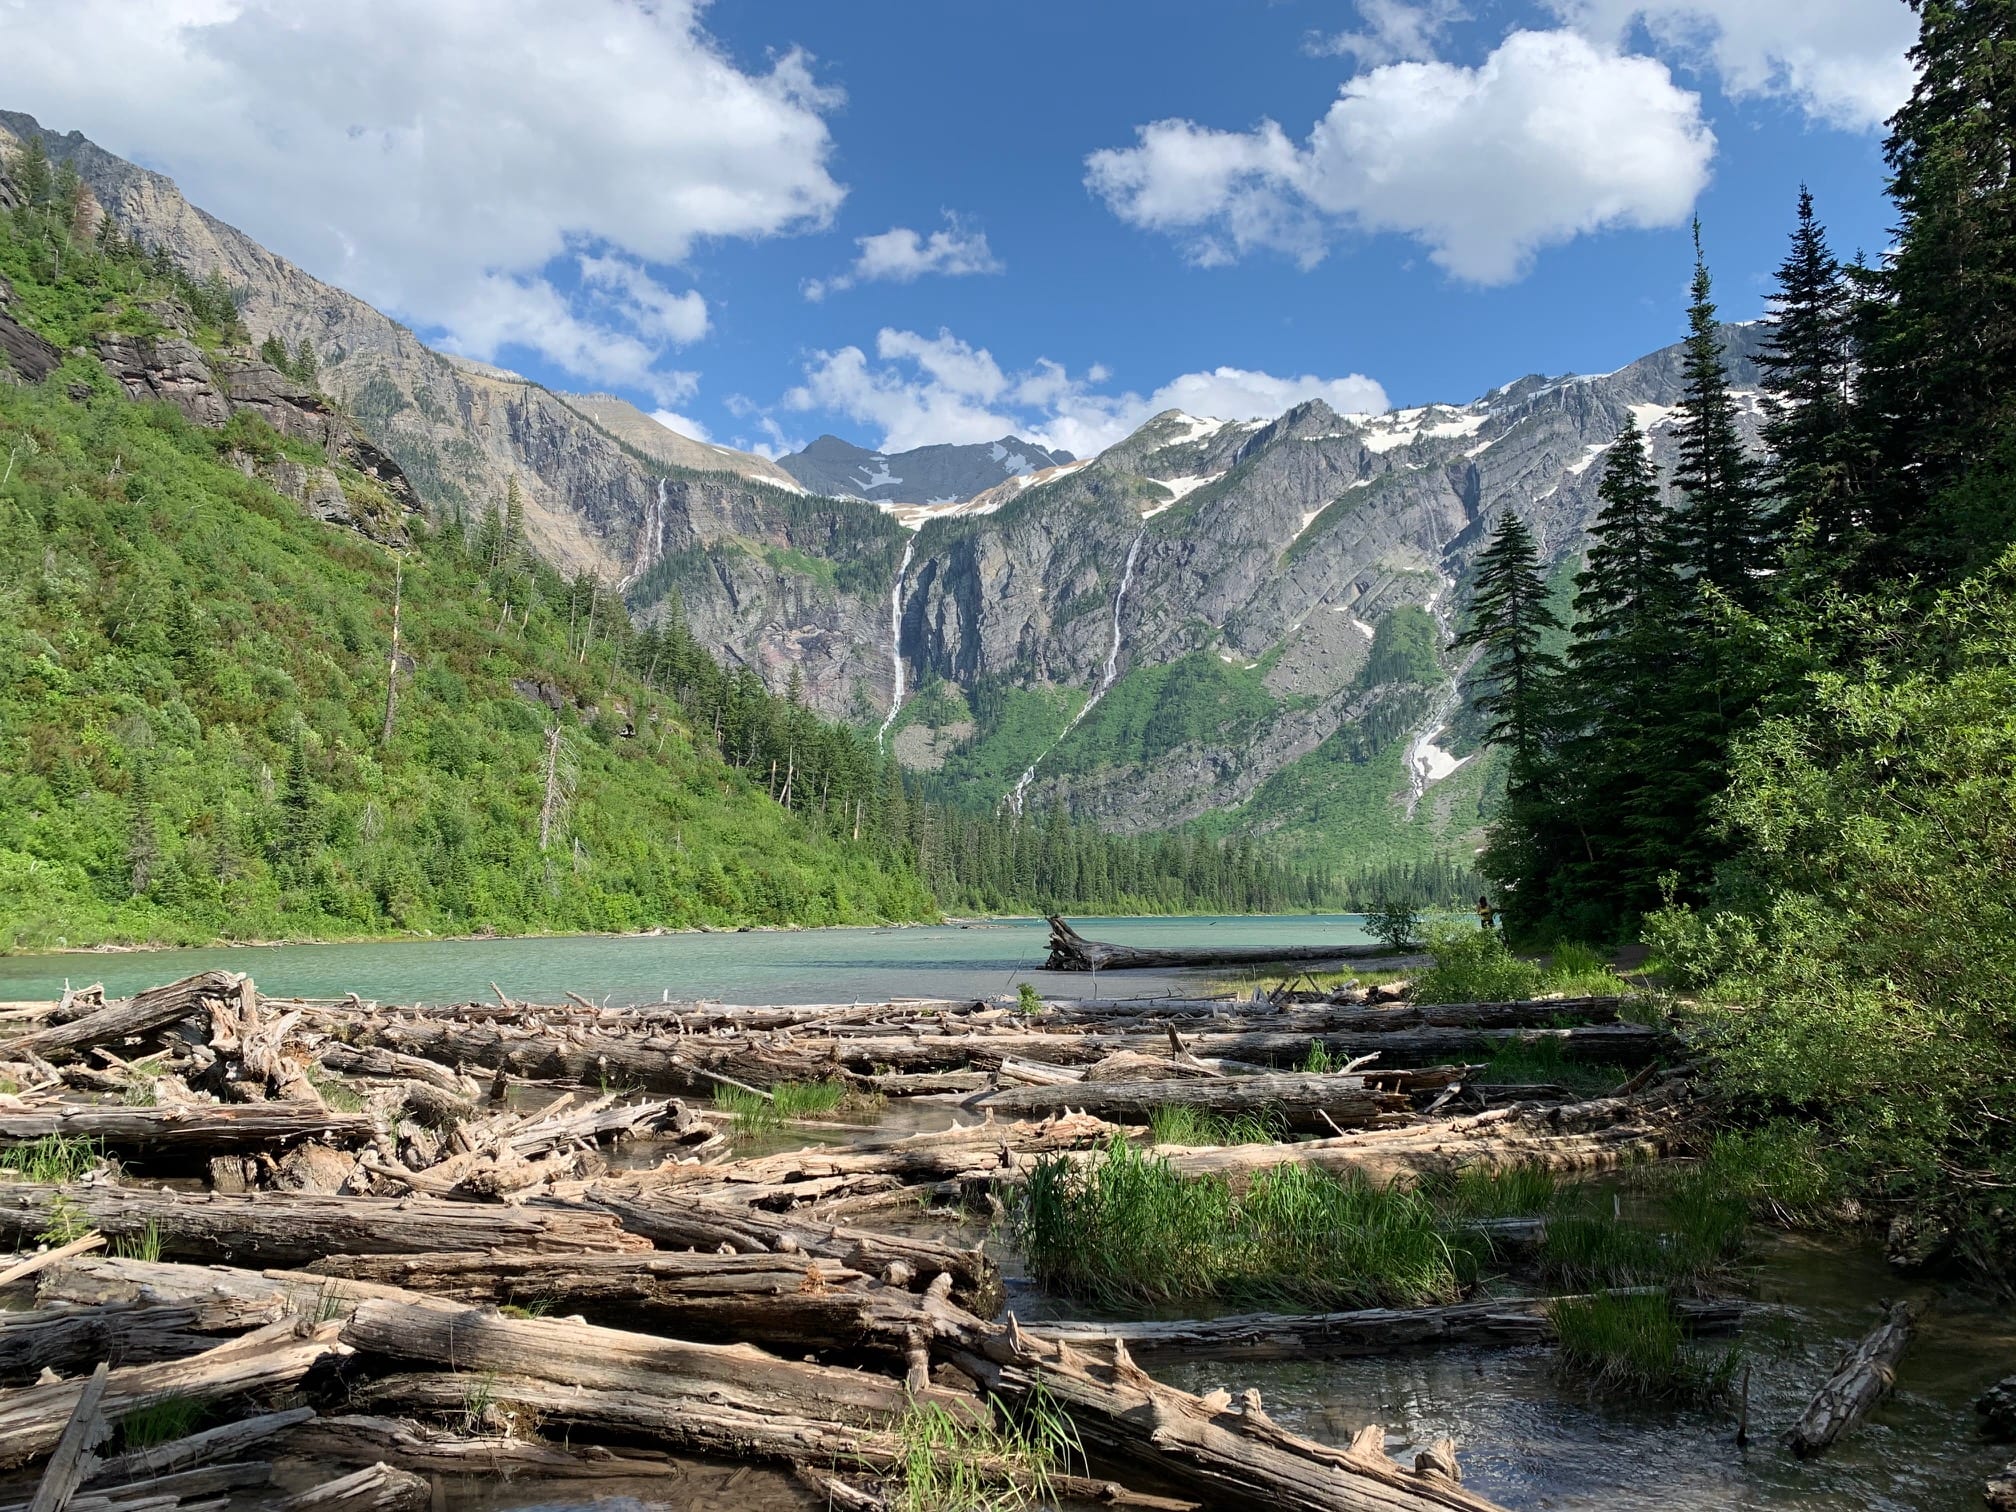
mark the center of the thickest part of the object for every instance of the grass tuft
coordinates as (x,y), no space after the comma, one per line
(160,1421)
(787,1102)
(954,1464)
(1181,1124)
(53,1159)
(1545,1063)
(145,1245)
(1634,1345)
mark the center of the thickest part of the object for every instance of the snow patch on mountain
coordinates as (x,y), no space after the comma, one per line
(1179,489)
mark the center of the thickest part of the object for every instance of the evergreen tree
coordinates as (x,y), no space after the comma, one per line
(1940,384)
(1509,615)
(1716,528)
(1807,371)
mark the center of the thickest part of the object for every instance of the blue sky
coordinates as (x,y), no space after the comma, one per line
(905,222)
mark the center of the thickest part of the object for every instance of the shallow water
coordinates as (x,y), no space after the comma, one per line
(760,966)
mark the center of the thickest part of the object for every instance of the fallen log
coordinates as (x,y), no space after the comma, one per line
(73,1459)
(198,1130)
(1298,1101)
(206,1490)
(1071,951)
(140,1014)
(1504,1323)
(1230,1459)
(1863,1378)
(795,1302)
(672,1220)
(278,1356)
(352,1438)
(67,1339)
(376,1488)
(292,1228)
(192,1450)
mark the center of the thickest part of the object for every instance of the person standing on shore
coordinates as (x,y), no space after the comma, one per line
(1487,916)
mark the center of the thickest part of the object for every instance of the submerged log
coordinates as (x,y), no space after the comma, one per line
(1861,1380)
(1368,1331)
(1071,951)
(1298,1101)
(293,1228)
(199,1130)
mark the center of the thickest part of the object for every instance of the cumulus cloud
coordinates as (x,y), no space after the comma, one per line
(685,425)
(1842,61)
(919,390)
(1551,137)
(449,161)
(901,255)
(1393,31)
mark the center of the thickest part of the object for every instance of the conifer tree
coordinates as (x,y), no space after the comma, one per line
(1509,615)
(1807,373)
(1716,528)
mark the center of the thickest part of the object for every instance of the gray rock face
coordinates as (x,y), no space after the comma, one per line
(927,475)
(24,356)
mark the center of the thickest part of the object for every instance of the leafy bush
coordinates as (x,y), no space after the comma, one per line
(1474,966)
(1394,921)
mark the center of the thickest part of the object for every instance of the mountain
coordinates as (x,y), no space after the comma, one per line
(1231,624)
(924,476)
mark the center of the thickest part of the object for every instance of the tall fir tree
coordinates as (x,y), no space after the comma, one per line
(1509,618)
(1808,369)
(1939,390)
(1716,529)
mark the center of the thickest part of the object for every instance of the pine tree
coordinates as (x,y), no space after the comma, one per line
(1716,528)
(1509,616)
(1807,373)
(1940,382)
(513,536)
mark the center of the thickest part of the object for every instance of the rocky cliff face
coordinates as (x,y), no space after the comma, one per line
(1176,630)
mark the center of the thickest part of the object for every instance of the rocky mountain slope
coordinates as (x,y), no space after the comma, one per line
(1233,624)
(925,475)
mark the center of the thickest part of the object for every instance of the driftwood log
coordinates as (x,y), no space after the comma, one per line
(198,1130)
(376,1488)
(1861,1380)
(1368,1331)
(1300,1102)
(67,1339)
(1071,951)
(288,1228)
(140,1014)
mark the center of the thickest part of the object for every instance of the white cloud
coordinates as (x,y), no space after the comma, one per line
(1842,61)
(1550,138)
(443,160)
(901,255)
(683,424)
(1394,31)
(921,390)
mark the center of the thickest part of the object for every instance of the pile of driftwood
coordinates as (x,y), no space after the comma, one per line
(393,1238)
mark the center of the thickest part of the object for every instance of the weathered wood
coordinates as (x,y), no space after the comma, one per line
(72,1459)
(1863,1378)
(66,1339)
(674,1221)
(192,1450)
(139,1014)
(1071,951)
(351,1438)
(1371,1331)
(789,1302)
(32,1418)
(2000,1491)
(198,1130)
(21,1270)
(290,1228)
(376,1488)
(185,1491)
(1230,1459)
(1298,1101)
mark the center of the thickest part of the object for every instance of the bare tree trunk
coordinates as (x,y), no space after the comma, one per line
(548,808)
(392,661)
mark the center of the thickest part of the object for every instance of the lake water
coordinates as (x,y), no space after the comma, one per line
(760,966)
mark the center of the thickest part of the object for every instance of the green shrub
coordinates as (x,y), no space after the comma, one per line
(1634,1345)
(1474,966)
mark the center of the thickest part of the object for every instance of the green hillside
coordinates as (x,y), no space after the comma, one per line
(193,690)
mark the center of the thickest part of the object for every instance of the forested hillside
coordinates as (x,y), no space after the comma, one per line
(1783,733)
(206,730)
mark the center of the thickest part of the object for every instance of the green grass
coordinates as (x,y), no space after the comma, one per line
(160,1421)
(1123,1227)
(1634,1345)
(1695,1231)
(336,1092)
(788,1102)
(1545,1063)
(1181,1124)
(53,1159)
(951,1463)
(145,1245)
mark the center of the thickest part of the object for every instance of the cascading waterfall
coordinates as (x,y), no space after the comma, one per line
(1106,679)
(1426,761)
(896,640)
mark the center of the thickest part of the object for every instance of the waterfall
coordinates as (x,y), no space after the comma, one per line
(896,640)
(1426,761)
(1106,680)
(650,540)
